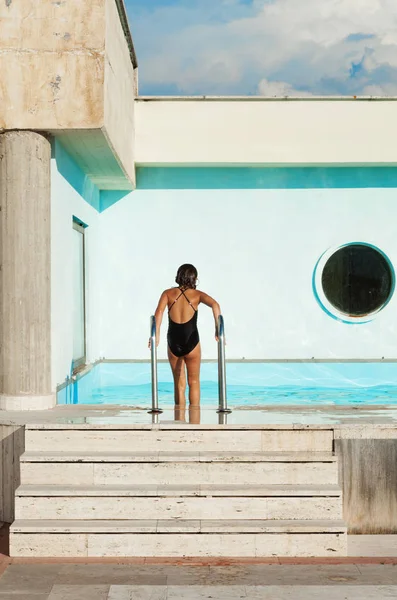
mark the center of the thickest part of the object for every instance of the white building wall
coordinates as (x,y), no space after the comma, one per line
(255,250)
(68,202)
(249,131)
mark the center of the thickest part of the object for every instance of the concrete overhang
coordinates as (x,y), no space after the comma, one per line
(69,68)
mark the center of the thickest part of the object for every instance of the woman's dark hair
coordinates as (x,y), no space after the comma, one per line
(187,276)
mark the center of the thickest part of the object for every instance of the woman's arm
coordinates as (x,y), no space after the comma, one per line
(216,309)
(158,315)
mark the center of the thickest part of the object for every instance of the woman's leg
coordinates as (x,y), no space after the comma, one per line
(179,373)
(194,415)
(193,362)
(180,412)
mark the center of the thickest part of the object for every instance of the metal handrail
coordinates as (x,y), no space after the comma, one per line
(222,368)
(153,358)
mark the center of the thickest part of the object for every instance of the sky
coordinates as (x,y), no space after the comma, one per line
(265,47)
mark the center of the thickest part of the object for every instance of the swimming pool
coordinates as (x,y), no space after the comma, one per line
(248,384)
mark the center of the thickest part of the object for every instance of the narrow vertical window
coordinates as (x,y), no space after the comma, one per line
(79,341)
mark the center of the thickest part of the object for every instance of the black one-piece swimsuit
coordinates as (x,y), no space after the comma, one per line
(182,337)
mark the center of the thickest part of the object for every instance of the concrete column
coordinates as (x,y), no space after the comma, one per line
(25,261)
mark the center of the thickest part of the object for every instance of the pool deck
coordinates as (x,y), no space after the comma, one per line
(369,421)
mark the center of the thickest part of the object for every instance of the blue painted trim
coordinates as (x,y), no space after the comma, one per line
(79,222)
(201,178)
(110,197)
(155,178)
(79,181)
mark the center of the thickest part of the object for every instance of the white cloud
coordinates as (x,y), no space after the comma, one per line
(278,89)
(272,47)
(386,89)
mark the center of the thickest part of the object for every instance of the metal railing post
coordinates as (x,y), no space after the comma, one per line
(153,357)
(222,418)
(222,368)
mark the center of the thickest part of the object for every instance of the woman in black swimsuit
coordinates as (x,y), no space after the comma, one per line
(183,337)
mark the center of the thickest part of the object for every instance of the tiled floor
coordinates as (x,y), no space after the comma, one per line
(368,578)
(164,582)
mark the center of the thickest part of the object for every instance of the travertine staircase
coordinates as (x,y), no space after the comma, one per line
(92,491)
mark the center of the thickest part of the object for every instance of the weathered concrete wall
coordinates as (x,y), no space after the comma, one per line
(254,131)
(25,258)
(52,64)
(66,68)
(12,440)
(368,476)
(119,91)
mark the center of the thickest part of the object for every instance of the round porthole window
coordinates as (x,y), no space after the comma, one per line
(354,282)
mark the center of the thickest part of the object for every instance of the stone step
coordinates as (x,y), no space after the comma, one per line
(132,439)
(188,507)
(177,526)
(181,456)
(249,538)
(152,490)
(179,473)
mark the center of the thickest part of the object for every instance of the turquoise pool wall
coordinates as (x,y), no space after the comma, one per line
(248,383)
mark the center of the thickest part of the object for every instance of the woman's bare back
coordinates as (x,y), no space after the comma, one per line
(178,302)
(183,306)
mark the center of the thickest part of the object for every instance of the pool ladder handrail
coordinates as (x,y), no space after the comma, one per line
(222,390)
(222,367)
(153,359)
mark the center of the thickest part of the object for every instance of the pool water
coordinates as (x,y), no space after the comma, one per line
(259,384)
